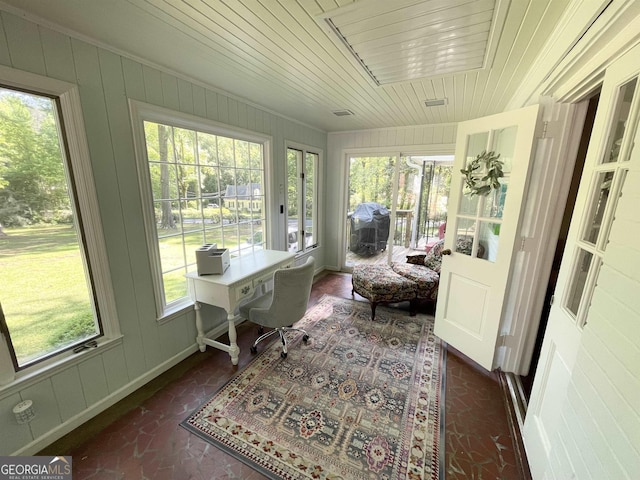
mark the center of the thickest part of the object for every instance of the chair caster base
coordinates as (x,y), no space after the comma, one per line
(305,338)
(253,349)
(283,354)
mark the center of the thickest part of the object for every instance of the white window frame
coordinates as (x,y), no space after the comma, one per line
(141,112)
(301,198)
(78,161)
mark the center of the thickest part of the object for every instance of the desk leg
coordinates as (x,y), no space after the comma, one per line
(200,337)
(234,350)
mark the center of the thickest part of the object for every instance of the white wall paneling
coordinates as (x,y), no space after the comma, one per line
(68,397)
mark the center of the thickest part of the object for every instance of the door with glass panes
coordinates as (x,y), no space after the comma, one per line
(480,240)
(606,167)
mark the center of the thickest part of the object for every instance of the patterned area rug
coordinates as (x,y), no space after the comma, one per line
(360,400)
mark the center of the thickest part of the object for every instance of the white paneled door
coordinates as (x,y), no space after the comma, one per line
(606,167)
(481,232)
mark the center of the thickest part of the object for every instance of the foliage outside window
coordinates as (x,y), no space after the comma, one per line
(46,287)
(302,198)
(204,188)
(421,180)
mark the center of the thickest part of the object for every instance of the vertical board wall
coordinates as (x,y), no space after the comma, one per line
(106,81)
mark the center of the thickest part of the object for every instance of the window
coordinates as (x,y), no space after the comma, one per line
(201,185)
(302,195)
(55,291)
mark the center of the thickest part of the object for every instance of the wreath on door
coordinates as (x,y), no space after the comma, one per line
(477,185)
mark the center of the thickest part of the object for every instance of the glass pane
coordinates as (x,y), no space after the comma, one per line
(493,204)
(294,188)
(469,204)
(603,239)
(164,181)
(255,156)
(207,149)
(243,177)
(159,142)
(256,238)
(213,235)
(232,238)
(310,168)
(477,143)
(371,180)
(464,235)
(226,152)
(175,285)
(578,281)
(45,284)
(184,142)
(504,143)
(190,218)
(171,252)
(600,197)
(242,154)
(621,115)
(489,241)
(431,213)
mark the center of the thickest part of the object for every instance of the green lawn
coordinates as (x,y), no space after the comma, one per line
(43,290)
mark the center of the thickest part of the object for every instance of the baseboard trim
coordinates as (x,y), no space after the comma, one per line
(74,422)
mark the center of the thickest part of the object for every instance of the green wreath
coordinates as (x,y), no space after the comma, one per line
(477,185)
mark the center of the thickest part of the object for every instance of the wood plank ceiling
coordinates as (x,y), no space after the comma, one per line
(286,56)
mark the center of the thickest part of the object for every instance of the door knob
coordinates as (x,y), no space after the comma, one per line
(446,251)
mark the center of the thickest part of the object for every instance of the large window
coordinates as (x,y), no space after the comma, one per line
(302,195)
(202,186)
(54,285)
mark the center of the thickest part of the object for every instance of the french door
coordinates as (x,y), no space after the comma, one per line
(481,232)
(606,167)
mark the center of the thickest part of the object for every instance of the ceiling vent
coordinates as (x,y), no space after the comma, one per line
(343,113)
(435,102)
(404,40)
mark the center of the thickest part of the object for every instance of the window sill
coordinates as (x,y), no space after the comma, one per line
(29,377)
(175,312)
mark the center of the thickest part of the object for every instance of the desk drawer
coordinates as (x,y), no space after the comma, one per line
(244,290)
(266,278)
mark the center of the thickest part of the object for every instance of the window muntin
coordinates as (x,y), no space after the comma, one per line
(203,185)
(302,198)
(53,308)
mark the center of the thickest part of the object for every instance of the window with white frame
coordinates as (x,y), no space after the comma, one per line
(55,290)
(201,185)
(302,198)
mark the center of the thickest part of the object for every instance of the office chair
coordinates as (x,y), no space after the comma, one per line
(284,305)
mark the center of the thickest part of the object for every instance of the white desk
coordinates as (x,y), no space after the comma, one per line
(241,279)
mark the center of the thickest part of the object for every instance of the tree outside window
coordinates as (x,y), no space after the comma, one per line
(302,191)
(46,285)
(204,188)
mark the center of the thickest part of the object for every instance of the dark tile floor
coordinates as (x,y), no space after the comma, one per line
(139,438)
